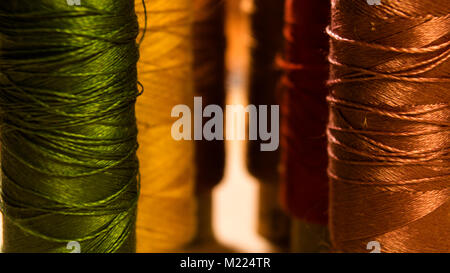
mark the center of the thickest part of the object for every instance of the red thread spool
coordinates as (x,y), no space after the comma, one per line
(304,111)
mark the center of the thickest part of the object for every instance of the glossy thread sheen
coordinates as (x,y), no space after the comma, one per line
(167,209)
(68,86)
(388,131)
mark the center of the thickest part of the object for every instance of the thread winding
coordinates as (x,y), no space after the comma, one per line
(388,131)
(68,85)
(166,211)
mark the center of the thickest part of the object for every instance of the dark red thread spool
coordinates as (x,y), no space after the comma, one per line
(209,68)
(266,20)
(209,44)
(304,114)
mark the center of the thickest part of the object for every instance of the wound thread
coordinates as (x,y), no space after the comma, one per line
(68,85)
(166,211)
(388,131)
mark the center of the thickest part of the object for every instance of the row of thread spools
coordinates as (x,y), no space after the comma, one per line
(364,98)
(289,66)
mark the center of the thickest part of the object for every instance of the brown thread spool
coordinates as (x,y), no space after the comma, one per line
(209,82)
(304,117)
(266,27)
(388,131)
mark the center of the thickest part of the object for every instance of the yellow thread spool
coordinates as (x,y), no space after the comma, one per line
(166,211)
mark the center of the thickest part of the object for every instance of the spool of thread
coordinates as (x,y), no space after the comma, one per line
(267,32)
(166,211)
(209,84)
(389,126)
(266,29)
(68,86)
(304,117)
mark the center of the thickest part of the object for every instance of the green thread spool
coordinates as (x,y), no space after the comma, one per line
(68,86)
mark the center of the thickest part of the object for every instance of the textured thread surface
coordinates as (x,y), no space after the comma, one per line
(166,210)
(388,132)
(68,130)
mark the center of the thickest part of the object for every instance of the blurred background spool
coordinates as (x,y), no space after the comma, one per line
(304,117)
(389,126)
(209,83)
(167,208)
(266,19)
